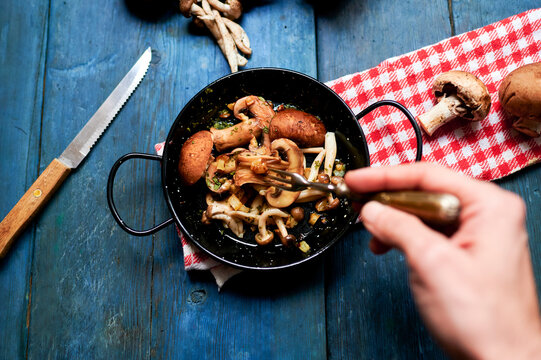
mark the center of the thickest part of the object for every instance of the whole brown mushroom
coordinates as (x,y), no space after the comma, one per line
(520,96)
(459,94)
(194,157)
(303,128)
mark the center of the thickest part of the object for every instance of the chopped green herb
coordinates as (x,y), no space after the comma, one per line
(221,124)
(266,129)
(216,182)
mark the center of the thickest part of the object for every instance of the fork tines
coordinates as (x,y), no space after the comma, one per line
(284,182)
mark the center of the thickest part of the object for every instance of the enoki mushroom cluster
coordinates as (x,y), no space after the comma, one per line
(218,17)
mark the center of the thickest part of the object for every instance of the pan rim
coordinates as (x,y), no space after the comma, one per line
(179,222)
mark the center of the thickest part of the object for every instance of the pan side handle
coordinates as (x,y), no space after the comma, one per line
(110,200)
(407,113)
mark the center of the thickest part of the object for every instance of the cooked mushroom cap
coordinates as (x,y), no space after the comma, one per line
(304,129)
(236,8)
(468,88)
(194,156)
(520,95)
(185,7)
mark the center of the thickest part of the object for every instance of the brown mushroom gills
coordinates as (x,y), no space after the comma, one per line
(459,94)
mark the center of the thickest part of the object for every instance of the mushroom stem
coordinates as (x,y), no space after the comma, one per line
(208,20)
(310,195)
(313,150)
(235,226)
(314,169)
(228,34)
(231,53)
(440,114)
(281,226)
(232,9)
(330,153)
(265,237)
(239,35)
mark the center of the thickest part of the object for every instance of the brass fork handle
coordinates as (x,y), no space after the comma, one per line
(433,207)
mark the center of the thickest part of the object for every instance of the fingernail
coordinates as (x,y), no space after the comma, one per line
(371,211)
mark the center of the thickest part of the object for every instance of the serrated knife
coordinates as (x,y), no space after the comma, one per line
(52,177)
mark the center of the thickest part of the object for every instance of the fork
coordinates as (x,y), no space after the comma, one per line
(437,208)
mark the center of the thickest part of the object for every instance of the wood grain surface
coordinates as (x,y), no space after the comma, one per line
(33,200)
(76,286)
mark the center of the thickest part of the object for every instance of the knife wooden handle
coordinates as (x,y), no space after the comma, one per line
(32,201)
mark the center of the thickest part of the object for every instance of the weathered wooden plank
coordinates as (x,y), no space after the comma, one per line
(92,282)
(370,312)
(22,31)
(470,15)
(252,317)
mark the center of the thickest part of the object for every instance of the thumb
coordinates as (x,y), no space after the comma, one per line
(398,229)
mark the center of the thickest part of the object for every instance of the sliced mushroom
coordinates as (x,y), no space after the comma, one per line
(304,129)
(244,175)
(194,157)
(520,96)
(278,198)
(459,94)
(215,183)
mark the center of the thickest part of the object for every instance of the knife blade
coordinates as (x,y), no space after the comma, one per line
(56,172)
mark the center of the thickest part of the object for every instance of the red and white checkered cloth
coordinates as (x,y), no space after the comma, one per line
(487,150)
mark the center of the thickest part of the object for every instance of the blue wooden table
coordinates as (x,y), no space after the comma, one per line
(76,286)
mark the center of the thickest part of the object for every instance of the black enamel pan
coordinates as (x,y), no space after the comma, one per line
(187,203)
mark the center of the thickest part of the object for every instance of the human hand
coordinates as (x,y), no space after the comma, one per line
(474,289)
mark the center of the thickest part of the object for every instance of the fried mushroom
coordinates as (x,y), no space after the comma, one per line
(304,129)
(194,157)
